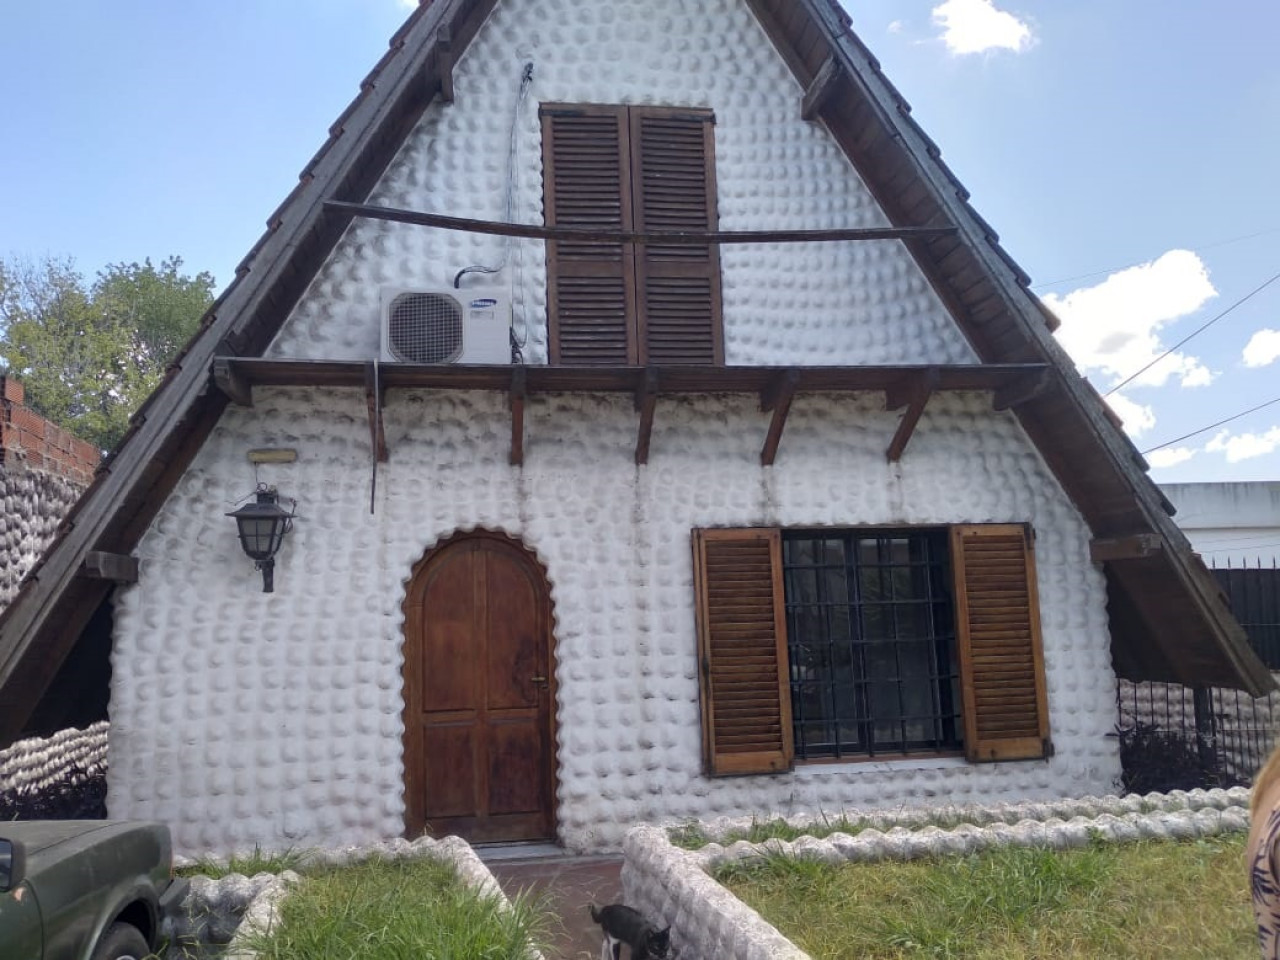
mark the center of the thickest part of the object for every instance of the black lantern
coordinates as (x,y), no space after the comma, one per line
(262,526)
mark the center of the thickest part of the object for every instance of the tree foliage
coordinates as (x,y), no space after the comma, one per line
(88,354)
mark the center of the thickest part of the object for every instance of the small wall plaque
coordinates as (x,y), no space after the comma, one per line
(273,455)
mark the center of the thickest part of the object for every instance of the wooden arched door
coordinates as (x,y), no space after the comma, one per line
(479,740)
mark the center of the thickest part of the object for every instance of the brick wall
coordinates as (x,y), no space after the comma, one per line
(29,439)
(43,470)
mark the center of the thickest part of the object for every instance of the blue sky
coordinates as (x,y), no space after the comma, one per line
(1123,149)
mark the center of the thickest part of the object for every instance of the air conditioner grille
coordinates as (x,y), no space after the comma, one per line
(425,328)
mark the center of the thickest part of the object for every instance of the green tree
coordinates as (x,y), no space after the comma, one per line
(89,354)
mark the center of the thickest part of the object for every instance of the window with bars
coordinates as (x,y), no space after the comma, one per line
(828,644)
(870,643)
(631,169)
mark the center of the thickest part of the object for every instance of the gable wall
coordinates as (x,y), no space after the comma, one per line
(247,718)
(831,303)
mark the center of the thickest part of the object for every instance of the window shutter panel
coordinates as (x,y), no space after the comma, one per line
(742,652)
(590,287)
(678,287)
(1006,713)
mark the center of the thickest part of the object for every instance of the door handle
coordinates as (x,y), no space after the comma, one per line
(541,681)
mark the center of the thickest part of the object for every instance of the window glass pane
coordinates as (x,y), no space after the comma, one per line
(871,642)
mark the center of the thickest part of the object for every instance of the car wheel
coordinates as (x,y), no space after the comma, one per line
(122,942)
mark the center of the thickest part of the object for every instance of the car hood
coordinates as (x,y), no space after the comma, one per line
(37,835)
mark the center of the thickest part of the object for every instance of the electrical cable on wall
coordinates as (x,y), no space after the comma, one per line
(513,189)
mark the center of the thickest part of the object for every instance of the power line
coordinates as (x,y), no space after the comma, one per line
(1139,263)
(1196,433)
(1195,333)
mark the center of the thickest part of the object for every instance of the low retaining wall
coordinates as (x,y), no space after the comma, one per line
(220,914)
(673,886)
(41,762)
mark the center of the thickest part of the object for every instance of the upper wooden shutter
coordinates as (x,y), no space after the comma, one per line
(591,287)
(1006,713)
(742,652)
(678,287)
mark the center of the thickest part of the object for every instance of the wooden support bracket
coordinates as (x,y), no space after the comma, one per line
(1136,547)
(646,403)
(913,394)
(117,567)
(237,389)
(519,390)
(1020,391)
(821,90)
(374,395)
(444,63)
(777,398)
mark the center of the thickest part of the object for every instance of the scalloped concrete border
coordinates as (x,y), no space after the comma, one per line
(263,911)
(674,886)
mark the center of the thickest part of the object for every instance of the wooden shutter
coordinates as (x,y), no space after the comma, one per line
(590,287)
(678,287)
(1006,714)
(742,652)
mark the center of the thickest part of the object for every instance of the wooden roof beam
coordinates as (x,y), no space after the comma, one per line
(116,567)
(912,392)
(646,403)
(444,63)
(777,397)
(1020,391)
(516,397)
(375,396)
(821,90)
(1136,547)
(228,379)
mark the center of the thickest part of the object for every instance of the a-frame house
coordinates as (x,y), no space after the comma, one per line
(659,519)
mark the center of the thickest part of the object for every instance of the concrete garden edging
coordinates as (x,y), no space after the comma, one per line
(226,911)
(674,886)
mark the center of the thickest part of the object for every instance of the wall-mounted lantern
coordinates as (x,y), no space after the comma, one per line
(262,526)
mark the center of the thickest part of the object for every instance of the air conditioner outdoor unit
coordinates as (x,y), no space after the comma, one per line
(446,326)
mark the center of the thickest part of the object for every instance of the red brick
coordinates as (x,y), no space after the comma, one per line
(11,389)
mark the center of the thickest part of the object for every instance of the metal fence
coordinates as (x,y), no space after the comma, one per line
(1178,738)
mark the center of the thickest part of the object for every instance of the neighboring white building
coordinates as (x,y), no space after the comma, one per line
(755,527)
(1230,524)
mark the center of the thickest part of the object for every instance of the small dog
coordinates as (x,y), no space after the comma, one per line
(622,924)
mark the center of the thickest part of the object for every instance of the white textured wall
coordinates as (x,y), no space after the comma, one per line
(817,304)
(244,717)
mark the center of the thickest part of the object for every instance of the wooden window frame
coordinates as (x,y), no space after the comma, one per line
(998,643)
(635,266)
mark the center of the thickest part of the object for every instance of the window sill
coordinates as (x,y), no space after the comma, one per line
(875,765)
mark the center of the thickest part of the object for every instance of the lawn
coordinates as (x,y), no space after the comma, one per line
(1153,899)
(397,909)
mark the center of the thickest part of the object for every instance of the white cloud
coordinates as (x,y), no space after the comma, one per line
(1170,457)
(1114,327)
(897,26)
(1138,418)
(1244,446)
(975,26)
(1262,349)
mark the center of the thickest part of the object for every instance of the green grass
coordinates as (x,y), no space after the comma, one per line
(398,910)
(1144,900)
(248,864)
(692,836)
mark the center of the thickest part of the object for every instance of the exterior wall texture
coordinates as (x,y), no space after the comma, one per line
(243,717)
(829,303)
(247,718)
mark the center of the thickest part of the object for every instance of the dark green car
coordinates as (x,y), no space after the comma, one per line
(85,889)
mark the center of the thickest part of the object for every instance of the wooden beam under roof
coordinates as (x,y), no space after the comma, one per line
(375,395)
(229,380)
(516,396)
(823,88)
(914,394)
(777,398)
(115,567)
(669,238)
(444,63)
(1139,546)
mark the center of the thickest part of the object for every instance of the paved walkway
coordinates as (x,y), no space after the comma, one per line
(569,884)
